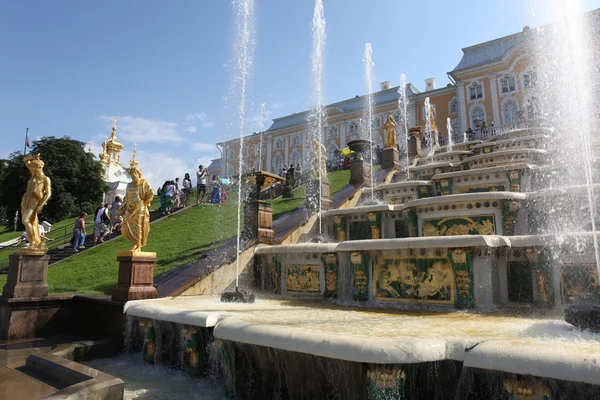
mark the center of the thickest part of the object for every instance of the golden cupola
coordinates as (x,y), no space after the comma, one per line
(112,147)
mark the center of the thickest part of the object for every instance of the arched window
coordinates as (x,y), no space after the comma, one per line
(475,91)
(454,106)
(279,144)
(332,132)
(296,140)
(511,112)
(245,152)
(331,151)
(257,149)
(530,79)
(477,114)
(277,164)
(257,166)
(230,154)
(508,84)
(353,127)
(295,158)
(230,170)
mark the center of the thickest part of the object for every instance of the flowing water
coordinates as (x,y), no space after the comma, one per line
(428,130)
(369,64)
(450,133)
(317,117)
(242,53)
(149,382)
(263,116)
(403,122)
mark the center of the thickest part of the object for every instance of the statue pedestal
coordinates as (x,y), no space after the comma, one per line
(258,222)
(312,195)
(136,276)
(390,159)
(360,173)
(27,273)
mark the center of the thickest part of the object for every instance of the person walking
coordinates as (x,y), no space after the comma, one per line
(101,223)
(202,178)
(187,189)
(114,219)
(79,233)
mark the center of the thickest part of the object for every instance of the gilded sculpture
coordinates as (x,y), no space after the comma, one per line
(35,198)
(136,218)
(316,165)
(390,132)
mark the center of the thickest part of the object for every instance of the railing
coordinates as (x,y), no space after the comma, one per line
(490,132)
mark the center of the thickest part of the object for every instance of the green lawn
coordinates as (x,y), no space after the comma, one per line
(283,206)
(338,179)
(177,240)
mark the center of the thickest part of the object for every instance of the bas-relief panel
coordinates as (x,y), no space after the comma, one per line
(579,282)
(414,280)
(491,187)
(452,226)
(303,278)
(398,199)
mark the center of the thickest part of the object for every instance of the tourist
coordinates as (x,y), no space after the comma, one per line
(101,223)
(114,219)
(340,162)
(169,197)
(187,189)
(177,194)
(79,233)
(215,195)
(161,196)
(25,238)
(202,177)
(292,175)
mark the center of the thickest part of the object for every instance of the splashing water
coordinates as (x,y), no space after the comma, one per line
(403,123)
(450,132)
(316,119)
(428,130)
(465,138)
(563,97)
(263,116)
(242,53)
(369,64)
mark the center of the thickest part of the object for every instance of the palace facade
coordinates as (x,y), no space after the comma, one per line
(495,82)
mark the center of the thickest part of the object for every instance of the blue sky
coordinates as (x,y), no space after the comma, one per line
(161,68)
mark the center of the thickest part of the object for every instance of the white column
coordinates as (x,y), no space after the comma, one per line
(462,107)
(304,144)
(286,146)
(269,156)
(342,132)
(495,106)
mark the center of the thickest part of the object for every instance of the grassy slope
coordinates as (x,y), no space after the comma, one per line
(177,240)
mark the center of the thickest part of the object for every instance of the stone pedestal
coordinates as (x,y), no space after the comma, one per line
(258,221)
(360,173)
(313,192)
(390,159)
(136,276)
(414,142)
(27,275)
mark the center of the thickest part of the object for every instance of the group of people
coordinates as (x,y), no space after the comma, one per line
(293,176)
(106,220)
(214,192)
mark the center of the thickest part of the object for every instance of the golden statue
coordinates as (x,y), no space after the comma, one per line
(35,198)
(136,218)
(318,149)
(390,132)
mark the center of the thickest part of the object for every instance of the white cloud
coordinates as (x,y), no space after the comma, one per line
(191,129)
(202,118)
(204,147)
(142,130)
(276,106)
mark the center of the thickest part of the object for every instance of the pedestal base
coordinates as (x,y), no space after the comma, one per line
(258,222)
(360,173)
(313,193)
(136,276)
(27,276)
(390,159)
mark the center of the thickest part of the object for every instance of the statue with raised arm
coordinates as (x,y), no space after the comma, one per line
(35,198)
(136,218)
(390,132)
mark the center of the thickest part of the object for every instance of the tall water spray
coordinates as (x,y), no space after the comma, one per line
(369,64)
(403,123)
(450,133)
(563,97)
(242,67)
(317,117)
(428,130)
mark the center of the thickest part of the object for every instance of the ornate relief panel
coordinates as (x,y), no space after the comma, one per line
(452,226)
(303,278)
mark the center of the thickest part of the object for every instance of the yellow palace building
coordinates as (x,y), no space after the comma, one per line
(494,83)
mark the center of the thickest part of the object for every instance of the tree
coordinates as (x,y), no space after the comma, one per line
(77,179)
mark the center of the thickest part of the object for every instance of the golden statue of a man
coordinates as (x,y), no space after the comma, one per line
(390,132)
(35,198)
(136,218)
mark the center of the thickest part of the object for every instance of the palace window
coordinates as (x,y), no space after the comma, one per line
(277,164)
(245,152)
(475,91)
(477,114)
(511,112)
(353,127)
(533,108)
(508,84)
(257,149)
(332,133)
(376,121)
(296,140)
(295,159)
(454,106)
(279,144)
(530,79)
(230,154)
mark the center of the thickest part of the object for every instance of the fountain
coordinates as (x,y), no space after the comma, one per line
(450,133)
(403,122)
(369,64)
(448,287)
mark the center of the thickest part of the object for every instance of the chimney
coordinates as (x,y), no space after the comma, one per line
(429,84)
(386,85)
